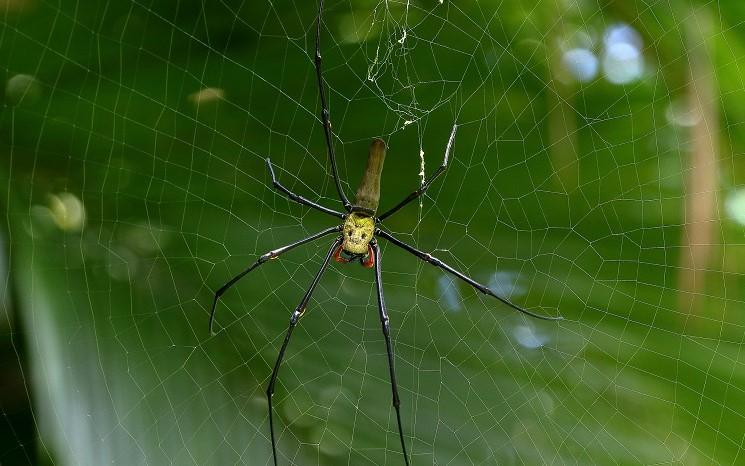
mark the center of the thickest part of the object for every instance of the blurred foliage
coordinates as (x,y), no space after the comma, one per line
(132,194)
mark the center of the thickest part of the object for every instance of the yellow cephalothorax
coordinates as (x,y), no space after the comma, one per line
(358,232)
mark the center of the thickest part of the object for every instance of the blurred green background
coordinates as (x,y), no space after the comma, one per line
(597,174)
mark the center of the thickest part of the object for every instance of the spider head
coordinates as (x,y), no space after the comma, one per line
(358,232)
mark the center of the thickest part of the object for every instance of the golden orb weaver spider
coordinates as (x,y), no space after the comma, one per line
(357,242)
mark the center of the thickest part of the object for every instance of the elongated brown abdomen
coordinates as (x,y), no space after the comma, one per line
(368,192)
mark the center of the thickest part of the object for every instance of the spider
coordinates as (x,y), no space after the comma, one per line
(356,241)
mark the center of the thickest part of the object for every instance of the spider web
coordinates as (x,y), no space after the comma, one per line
(595,174)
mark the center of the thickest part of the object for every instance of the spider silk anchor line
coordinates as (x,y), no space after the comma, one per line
(356,241)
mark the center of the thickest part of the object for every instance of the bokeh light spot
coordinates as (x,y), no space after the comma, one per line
(527,337)
(22,88)
(735,206)
(67,211)
(449,292)
(581,64)
(623,61)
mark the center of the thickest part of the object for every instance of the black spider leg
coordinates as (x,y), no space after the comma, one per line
(438,263)
(266,257)
(296,197)
(388,347)
(325,113)
(296,315)
(423,188)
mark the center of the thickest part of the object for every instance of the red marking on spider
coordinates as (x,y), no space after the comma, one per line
(338,258)
(370,261)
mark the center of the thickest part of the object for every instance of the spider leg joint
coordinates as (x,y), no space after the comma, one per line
(386,325)
(297,315)
(271,255)
(431,259)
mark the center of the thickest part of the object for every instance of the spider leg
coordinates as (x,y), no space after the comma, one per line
(388,347)
(325,116)
(296,315)
(422,189)
(296,197)
(264,258)
(438,263)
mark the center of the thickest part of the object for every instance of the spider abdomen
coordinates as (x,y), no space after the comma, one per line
(368,192)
